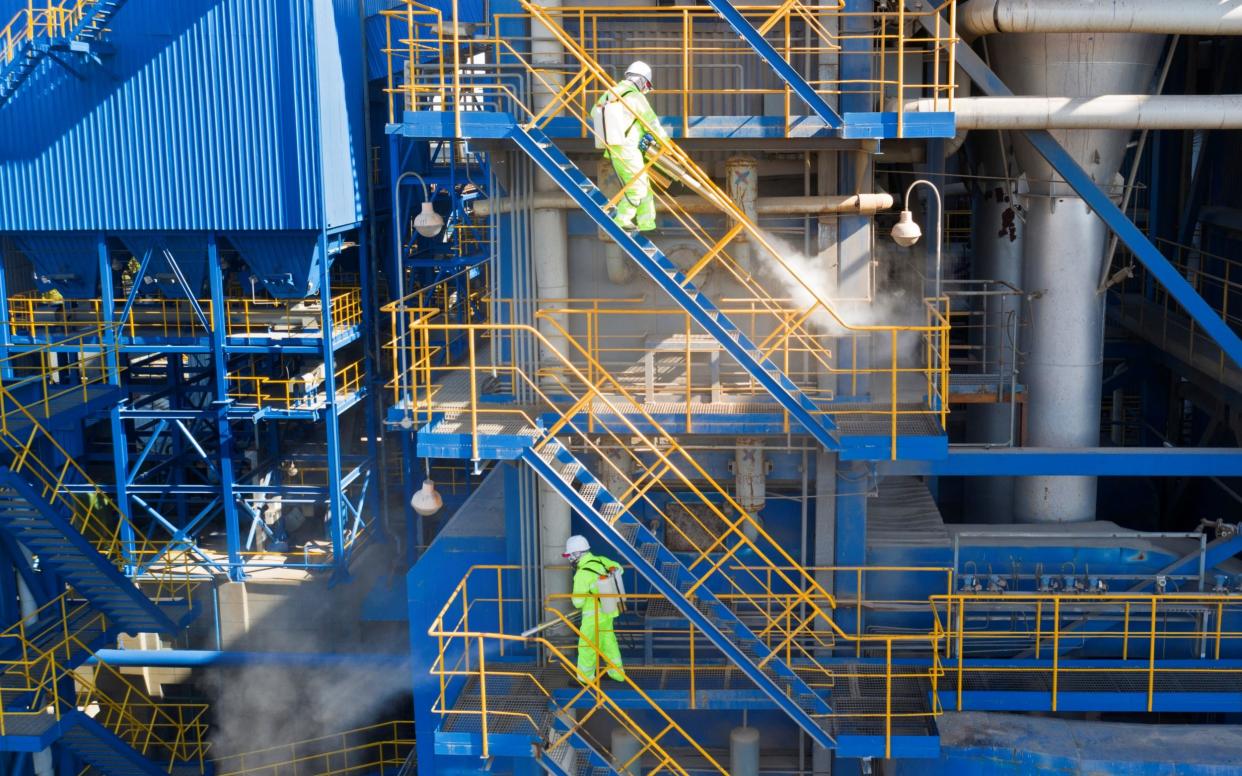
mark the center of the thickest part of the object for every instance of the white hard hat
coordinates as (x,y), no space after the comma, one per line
(640,68)
(576,544)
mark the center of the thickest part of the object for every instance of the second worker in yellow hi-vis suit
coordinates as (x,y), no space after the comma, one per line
(597,593)
(622,117)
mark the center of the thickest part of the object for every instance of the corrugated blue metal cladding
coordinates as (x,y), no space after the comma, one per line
(221,115)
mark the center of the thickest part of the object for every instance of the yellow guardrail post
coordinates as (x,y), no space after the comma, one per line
(1151,658)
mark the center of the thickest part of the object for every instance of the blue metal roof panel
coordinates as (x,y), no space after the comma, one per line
(204,118)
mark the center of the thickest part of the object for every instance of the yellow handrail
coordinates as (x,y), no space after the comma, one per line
(53,21)
(1043,624)
(473,664)
(361,750)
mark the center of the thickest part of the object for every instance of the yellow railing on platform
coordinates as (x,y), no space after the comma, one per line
(50,20)
(364,750)
(1217,279)
(305,392)
(465,652)
(1142,629)
(648,468)
(487,608)
(701,66)
(35,678)
(38,316)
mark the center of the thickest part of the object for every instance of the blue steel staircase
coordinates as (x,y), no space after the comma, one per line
(573,755)
(561,470)
(71,29)
(48,532)
(666,275)
(71,538)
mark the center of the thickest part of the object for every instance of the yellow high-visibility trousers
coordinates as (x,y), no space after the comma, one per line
(597,632)
(638,202)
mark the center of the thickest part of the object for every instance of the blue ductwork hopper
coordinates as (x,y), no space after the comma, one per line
(285,263)
(66,261)
(187,250)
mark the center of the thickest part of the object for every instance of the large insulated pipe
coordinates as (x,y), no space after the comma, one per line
(550,253)
(1064,251)
(1106,111)
(1169,17)
(851,204)
(550,249)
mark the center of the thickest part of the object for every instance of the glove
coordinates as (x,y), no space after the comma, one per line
(646,142)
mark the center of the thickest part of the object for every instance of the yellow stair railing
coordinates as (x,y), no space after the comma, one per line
(32,692)
(647,469)
(801,312)
(363,750)
(50,22)
(165,570)
(466,654)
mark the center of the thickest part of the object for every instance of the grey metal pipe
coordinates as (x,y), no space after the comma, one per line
(1187,17)
(852,204)
(1107,111)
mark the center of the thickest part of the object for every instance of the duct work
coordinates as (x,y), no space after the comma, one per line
(1109,111)
(849,204)
(1184,17)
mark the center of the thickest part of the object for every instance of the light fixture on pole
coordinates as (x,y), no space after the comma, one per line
(428,222)
(907,232)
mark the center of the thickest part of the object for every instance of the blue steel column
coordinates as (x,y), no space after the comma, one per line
(850,548)
(6,367)
(371,382)
(332,428)
(220,367)
(120,447)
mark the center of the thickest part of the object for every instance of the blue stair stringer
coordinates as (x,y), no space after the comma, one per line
(666,275)
(574,756)
(88,30)
(107,753)
(48,533)
(561,470)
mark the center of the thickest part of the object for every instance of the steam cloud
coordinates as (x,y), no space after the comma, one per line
(897,300)
(262,705)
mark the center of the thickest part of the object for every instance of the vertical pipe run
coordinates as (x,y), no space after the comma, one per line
(1064,363)
(744,751)
(626,749)
(1064,250)
(549,243)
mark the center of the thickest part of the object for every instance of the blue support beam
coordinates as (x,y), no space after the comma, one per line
(1078,179)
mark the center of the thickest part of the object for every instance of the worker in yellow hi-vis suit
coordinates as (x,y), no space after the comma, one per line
(597,593)
(622,118)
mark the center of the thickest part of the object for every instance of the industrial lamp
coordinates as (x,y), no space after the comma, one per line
(906,232)
(426,501)
(428,222)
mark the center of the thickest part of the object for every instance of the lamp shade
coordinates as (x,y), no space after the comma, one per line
(906,232)
(428,222)
(426,501)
